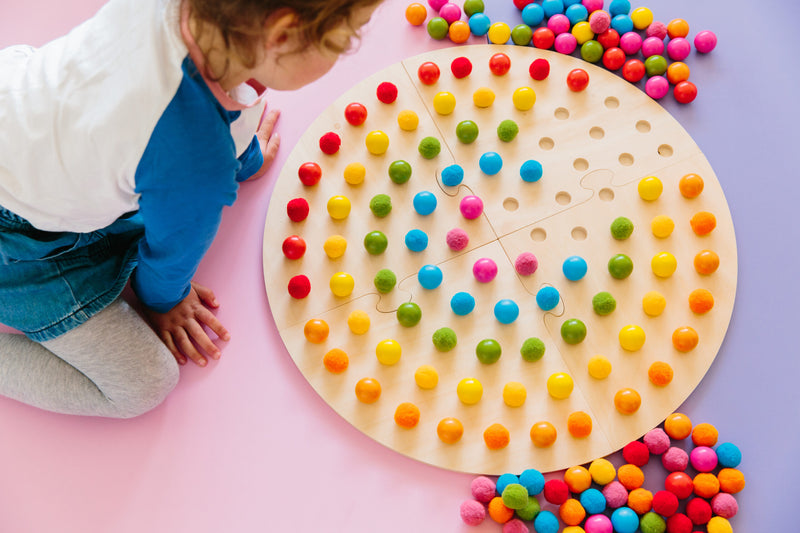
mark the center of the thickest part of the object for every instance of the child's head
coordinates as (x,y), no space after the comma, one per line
(250,30)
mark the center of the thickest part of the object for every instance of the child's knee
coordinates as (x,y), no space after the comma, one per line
(149,386)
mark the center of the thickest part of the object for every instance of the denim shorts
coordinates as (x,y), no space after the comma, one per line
(52,282)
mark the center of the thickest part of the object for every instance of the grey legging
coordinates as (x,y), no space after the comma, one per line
(113,365)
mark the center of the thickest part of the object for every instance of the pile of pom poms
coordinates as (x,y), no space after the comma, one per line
(698,490)
(624,40)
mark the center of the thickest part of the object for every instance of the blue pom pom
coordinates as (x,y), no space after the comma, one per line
(532,14)
(546,522)
(462,303)
(728,455)
(593,501)
(574,268)
(625,520)
(416,240)
(490,163)
(547,298)
(430,277)
(531,170)
(504,481)
(533,480)
(619,7)
(506,311)
(552,7)
(479,24)
(424,203)
(452,175)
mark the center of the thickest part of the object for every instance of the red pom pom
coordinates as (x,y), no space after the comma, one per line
(499,64)
(665,503)
(636,453)
(293,247)
(387,92)
(299,287)
(297,209)
(461,67)
(543,38)
(699,511)
(577,80)
(330,143)
(679,523)
(608,39)
(520,4)
(556,491)
(355,114)
(309,174)
(680,484)
(539,69)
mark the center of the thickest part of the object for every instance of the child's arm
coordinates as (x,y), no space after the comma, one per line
(269,140)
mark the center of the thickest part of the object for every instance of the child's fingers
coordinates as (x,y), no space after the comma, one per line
(184,343)
(170,344)
(206,295)
(206,317)
(267,125)
(271,151)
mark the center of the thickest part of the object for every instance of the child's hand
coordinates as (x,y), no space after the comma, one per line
(269,140)
(181,328)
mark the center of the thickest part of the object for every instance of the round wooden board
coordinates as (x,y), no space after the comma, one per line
(594,147)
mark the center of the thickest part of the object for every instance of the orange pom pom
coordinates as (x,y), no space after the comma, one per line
(631,476)
(730,480)
(660,373)
(572,512)
(705,435)
(640,500)
(678,426)
(701,301)
(579,424)
(496,437)
(706,485)
(499,512)
(703,222)
(406,415)
(336,361)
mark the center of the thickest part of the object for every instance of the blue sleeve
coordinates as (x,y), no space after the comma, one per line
(251,161)
(187,174)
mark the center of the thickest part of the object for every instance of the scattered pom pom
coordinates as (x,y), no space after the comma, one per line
(636,453)
(657,441)
(330,143)
(473,513)
(387,92)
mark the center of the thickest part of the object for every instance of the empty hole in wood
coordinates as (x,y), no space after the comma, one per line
(625,159)
(643,126)
(510,204)
(665,150)
(606,194)
(562,113)
(611,102)
(563,197)
(546,143)
(538,234)
(597,133)
(579,233)
(580,164)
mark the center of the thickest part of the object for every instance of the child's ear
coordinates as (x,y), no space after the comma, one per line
(281,28)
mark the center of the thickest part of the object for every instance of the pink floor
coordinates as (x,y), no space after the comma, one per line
(246,445)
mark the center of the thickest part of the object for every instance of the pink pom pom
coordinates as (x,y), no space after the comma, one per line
(473,513)
(657,441)
(483,489)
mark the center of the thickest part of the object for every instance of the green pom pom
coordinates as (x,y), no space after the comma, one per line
(515,496)
(507,130)
(380,205)
(385,280)
(488,351)
(621,228)
(400,171)
(444,339)
(530,511)
(532,349)
(409,314)
(467,131)
(573,331)
(651,523)
(429,147)
(375,242)
(603,303)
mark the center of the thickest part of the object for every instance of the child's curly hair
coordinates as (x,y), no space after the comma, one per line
(241,22)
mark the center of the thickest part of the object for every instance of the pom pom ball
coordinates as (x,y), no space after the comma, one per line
(705,485)
(640,500)
(496,437)
(546,522)
(499,512)
(593,501)
(730,480)
(679,523)
(532,480)
(572,512)
(452,175)
(657,441)
(530,511)
(515,525)
(675,459)
(579,424)
(473,513)
(625,520)
(330,143)
(699,511)
(728,455)
(505,480)
(636,453)
(615,494)
(515,496)
(457,239)
(507,130)
(429,147)
(680,484)
(461,67)
(652,523)
(297,209)
(631,476)
(299,287)
(602,471)
(462,303)
(678,426)
(578,479)
(547,298)
(718,524)
(665,503)
(387,92)
(724,505)
(556,491)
